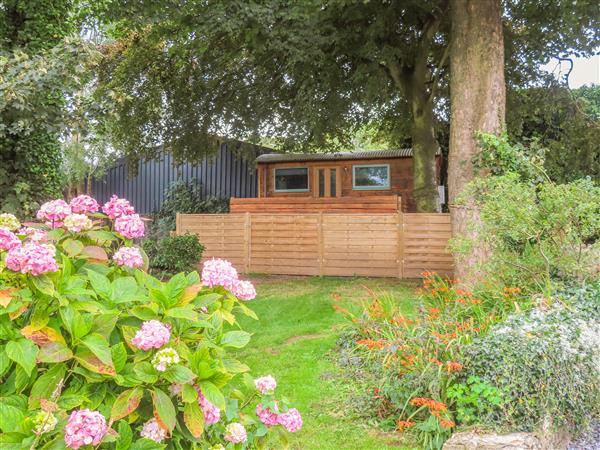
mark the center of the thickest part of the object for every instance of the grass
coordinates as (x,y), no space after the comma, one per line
(294,340)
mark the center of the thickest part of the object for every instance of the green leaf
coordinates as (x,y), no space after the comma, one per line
(124,289)
(183,312)
(146,444)
(100,283)
(235,339)
(98,345)
(164,411)
(43,284)
(91,362)
(104,324)
(23,352)
(189,393)
(125,436)
(54,352)
(72,247)
(145,372)
(144,313)
(11,418)
(212,393)
(46,384)
(101,235)
(126,403)
(235,366)
(119,356)
(74,322)
(4,361)
(179,374)
(194,419)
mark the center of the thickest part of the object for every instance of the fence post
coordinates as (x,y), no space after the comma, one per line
(400,243)
(321,240)
(177,223)
(247,241)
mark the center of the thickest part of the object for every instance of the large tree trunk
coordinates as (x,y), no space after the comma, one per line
(477,104)
(425,146)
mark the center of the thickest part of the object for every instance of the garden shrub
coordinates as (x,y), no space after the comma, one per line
(539,235)
(185,197)
(546,362)
(95,352)
(174,253)
(417,357)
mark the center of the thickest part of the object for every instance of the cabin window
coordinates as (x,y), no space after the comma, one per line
(371,176)
(291,179)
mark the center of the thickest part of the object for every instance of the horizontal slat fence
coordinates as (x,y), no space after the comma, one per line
(304,205)
(377,245)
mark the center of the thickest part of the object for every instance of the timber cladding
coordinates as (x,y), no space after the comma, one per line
(377,244)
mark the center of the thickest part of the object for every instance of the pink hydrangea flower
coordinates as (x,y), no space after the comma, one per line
(84,204)
(266,416)
(235,432)
(130,226)
(152,334)
(244,290)
(53,212)
(32,258)
(8,240)
(291,420)
(152,430)
(85,427)
(218,272)
(76,223)
(117,207)
(212,414)
(265,384)
(34,234)
(129,257)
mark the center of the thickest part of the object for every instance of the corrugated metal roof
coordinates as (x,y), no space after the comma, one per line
(362,154)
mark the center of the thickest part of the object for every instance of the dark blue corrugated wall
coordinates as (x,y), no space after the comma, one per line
(223,175)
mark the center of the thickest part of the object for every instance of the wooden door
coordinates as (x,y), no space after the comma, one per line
(327,182)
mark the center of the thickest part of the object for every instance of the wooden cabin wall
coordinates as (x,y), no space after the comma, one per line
(401,174)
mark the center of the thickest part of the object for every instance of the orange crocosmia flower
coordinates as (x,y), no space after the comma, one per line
(447,423)
(435,361)
(431,404)
(453,366)
(371,344)
(419,401)
(402,425)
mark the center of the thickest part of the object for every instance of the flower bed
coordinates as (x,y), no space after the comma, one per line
(94,352)
(494,361)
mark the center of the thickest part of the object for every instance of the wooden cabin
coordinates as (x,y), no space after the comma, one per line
(365,181)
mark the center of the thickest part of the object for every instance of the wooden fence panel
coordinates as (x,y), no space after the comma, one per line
(380,245)
(425,244)
(360,244)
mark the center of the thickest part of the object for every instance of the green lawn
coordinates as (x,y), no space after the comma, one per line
(294,340)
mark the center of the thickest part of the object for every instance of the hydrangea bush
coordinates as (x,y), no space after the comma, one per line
(96,353)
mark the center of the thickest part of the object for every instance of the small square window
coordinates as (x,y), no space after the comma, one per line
(372,176)
(291,179)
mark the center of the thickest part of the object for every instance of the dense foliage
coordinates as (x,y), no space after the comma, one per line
(186,197)
(173,254)
(546,364)
(565,123)
(537,232)
(38,69)
(96,352)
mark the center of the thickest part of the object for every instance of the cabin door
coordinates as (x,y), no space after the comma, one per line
(327,182)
